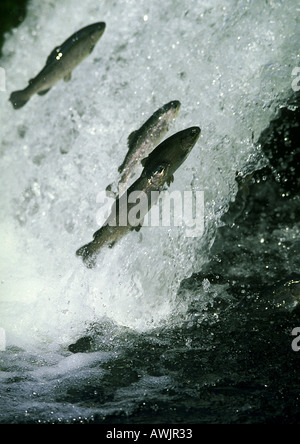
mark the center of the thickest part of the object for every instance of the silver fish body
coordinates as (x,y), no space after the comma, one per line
(173,151)
(60,63)
(142,141)
(118,223)
(159,168)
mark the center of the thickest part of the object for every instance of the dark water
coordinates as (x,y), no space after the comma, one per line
(12,13)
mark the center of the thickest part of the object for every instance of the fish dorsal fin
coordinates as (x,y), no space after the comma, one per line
(170,180)
(52,57)
(132,138)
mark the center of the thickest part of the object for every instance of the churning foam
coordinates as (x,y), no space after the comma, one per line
(229,63)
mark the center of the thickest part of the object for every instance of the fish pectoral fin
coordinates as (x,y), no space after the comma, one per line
(42,93)
(170,180)
(68,77)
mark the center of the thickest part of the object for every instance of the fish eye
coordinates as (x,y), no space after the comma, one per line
(174,104)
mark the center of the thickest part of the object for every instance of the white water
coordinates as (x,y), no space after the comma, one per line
(228,62)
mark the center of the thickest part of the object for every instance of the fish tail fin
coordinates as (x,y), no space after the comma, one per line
(87,252)
(18,99)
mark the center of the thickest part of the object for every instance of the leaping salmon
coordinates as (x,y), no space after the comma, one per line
(60,63)
(159,169)
(142,141)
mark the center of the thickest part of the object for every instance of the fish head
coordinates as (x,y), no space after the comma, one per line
(169,111)
(188,138)
(85,39)
(172,151)
(172,108)
(95,32)
(182,145)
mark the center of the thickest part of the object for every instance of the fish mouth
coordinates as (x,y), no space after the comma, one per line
(176,107)
(195,130)
(194,133)
(175,104)
(100,26)
(171,108)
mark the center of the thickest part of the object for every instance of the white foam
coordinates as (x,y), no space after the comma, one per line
(2,339)
(229,63)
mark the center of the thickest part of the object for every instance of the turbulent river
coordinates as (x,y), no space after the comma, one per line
(167,327)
